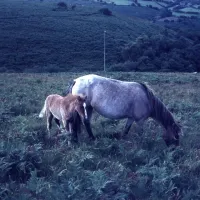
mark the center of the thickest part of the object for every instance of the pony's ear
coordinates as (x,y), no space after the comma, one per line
(79,98)
(82,98)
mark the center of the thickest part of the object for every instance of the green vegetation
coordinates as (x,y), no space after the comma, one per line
(160,53)
(139,167)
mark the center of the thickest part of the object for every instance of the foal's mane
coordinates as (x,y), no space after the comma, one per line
(159,111)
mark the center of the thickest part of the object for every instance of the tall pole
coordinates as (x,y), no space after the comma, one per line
(104,52)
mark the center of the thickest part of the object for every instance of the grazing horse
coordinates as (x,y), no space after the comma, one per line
(117,99)
(69,110)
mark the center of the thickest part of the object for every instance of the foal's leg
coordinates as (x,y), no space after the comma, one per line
(49,122)
(128,126)
(67,126)
(70,129)
(57,122)
(65,123)
(73,130)
(87,122)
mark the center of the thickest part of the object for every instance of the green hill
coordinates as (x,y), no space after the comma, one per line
(38,36)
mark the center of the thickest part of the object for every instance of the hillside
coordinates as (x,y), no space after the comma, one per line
(37,36)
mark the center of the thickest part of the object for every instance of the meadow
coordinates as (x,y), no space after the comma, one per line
(139,167)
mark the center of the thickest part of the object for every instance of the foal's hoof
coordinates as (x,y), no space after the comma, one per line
(92,138)
(123,137)
(74,140)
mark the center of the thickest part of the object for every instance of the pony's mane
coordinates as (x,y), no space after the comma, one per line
(159,111)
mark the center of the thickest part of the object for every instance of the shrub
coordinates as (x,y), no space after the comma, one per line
(160,52)
(73,7)
(105,11)
(165,13)
(62,4)
(127,66)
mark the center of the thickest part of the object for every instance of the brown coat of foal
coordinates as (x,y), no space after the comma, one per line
(69,110)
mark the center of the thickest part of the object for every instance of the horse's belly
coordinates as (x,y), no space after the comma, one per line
(112,112)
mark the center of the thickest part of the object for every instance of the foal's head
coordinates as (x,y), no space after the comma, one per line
(171,135)
(80,106)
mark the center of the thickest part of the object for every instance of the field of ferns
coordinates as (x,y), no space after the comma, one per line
(139,167)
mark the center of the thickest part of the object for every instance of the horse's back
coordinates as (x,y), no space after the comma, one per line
(53,99)
(113,98)
(53,103)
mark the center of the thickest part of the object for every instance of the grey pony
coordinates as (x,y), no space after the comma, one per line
(117,99)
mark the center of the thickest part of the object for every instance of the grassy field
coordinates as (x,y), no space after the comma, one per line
(139,167)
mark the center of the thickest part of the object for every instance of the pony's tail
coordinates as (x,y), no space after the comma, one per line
(69,90)
(42,112)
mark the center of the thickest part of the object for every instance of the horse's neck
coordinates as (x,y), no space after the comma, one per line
(161,114)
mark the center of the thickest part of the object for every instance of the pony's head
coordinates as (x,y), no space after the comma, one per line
(171,134)
(80,106)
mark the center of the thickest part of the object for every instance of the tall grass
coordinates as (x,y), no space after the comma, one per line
(33,166)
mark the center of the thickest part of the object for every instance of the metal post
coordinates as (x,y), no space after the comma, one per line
(104,51)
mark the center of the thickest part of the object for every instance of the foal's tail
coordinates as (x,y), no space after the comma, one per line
(42,112)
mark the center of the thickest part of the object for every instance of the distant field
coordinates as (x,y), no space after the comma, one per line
(148,3)
(119,2)
(178,14)
(142,2)
(33,166)
(189,9)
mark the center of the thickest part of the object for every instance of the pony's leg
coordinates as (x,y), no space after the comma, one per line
(128,126)
(140,125)
(87,122)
